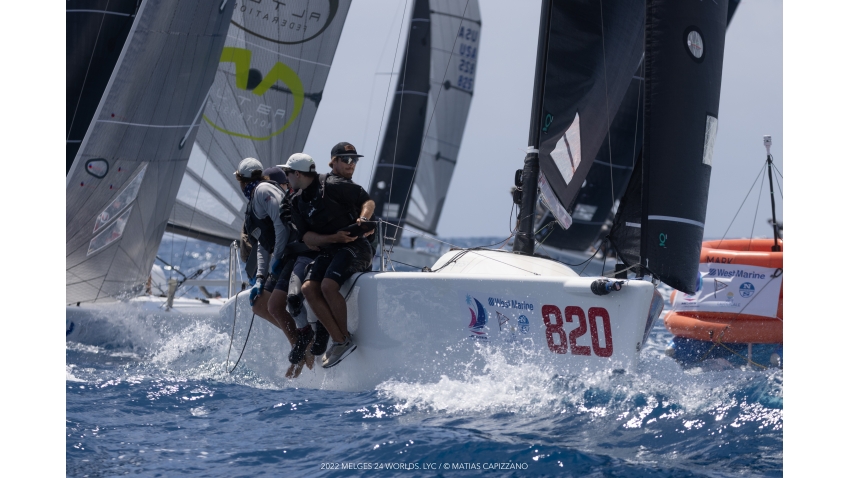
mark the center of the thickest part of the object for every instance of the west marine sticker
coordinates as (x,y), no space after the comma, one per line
(733,288)
(491,317)
(243,96)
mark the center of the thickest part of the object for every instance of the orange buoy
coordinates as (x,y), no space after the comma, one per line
(740,300)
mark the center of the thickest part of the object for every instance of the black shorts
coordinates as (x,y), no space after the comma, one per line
(342,264)
(295,265)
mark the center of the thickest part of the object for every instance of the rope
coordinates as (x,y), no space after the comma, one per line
(232,331)
(607,107)
(758,201)
(761,171)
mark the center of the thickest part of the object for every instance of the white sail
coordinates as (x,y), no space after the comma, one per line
(455,37)
(124,178)
(265,95)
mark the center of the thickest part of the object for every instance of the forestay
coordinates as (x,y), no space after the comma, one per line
(264,98)
(123,181)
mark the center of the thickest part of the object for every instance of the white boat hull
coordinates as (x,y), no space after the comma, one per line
(418,327)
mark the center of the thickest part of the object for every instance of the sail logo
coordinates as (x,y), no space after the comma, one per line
(285,23)
(747,289)
(254,119)
(478,319)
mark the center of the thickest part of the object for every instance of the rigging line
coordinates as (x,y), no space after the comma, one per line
(86,76)
(758,201)
(761,171)
(774,167)
(777,183)
(387,97)
(247,336)
(607,108)
(428,127)
(403,80)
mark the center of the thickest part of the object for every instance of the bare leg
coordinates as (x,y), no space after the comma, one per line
(336,303)
(277,309)
(313,293)
(260,308)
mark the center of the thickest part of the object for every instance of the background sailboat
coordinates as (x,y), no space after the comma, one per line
(122,182)
(432,98)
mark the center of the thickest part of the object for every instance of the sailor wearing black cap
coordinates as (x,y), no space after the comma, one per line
(333,214)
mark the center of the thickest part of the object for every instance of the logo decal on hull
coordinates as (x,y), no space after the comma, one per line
(478,319)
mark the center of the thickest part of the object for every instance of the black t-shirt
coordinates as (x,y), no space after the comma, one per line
(326,210)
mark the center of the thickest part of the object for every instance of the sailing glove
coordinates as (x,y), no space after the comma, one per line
(277,265)
(256,291)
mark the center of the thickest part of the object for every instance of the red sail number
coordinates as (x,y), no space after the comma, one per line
(555,326)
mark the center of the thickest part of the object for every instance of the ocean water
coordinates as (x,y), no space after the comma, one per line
(159,402)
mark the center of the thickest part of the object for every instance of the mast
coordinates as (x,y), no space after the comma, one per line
(776,247)
(524,242)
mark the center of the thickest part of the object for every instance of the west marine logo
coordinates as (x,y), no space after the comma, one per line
(257,120)
(478,320)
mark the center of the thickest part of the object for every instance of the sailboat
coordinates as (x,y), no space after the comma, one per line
(144,165)
(422,326)
(419,152)
(138,109)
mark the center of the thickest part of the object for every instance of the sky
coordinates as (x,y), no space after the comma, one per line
(494,142)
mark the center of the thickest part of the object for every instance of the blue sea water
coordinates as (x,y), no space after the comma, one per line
(163,404)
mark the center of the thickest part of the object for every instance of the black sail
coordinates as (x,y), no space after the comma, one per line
(399,151)
(593,51)
(95,32)
(607,178)
(684,61)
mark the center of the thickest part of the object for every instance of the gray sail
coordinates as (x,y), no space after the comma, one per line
(123,181)
(266,91)
(455,37)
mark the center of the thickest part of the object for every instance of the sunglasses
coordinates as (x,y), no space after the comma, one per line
(348,159)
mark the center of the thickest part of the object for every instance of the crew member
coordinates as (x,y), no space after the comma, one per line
(327,205)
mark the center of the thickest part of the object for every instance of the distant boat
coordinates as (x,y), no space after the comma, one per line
(165,97)
(421,141)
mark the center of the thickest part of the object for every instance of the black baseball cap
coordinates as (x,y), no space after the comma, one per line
(276,174)
(345,149)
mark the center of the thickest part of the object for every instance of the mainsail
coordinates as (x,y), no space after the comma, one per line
(684,63)
(428,115)
(266,91)
(123,180)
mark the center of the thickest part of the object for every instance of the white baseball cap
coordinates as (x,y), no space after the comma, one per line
(247,166)
(300,162)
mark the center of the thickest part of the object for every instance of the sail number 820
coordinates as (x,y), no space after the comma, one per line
(554,323)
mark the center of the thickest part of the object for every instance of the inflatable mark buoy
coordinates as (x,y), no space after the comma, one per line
(740,298)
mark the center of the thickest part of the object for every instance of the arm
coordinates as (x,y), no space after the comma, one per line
(316,241)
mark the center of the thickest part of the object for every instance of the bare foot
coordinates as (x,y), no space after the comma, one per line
(294,370)
(308,359)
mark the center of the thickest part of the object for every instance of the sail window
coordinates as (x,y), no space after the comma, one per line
(695,44)
(551,202)
(567,152)
(390,210)
(710,136)
(125,197)
(584,212)
(213,179)
(195,196)
(110,234)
